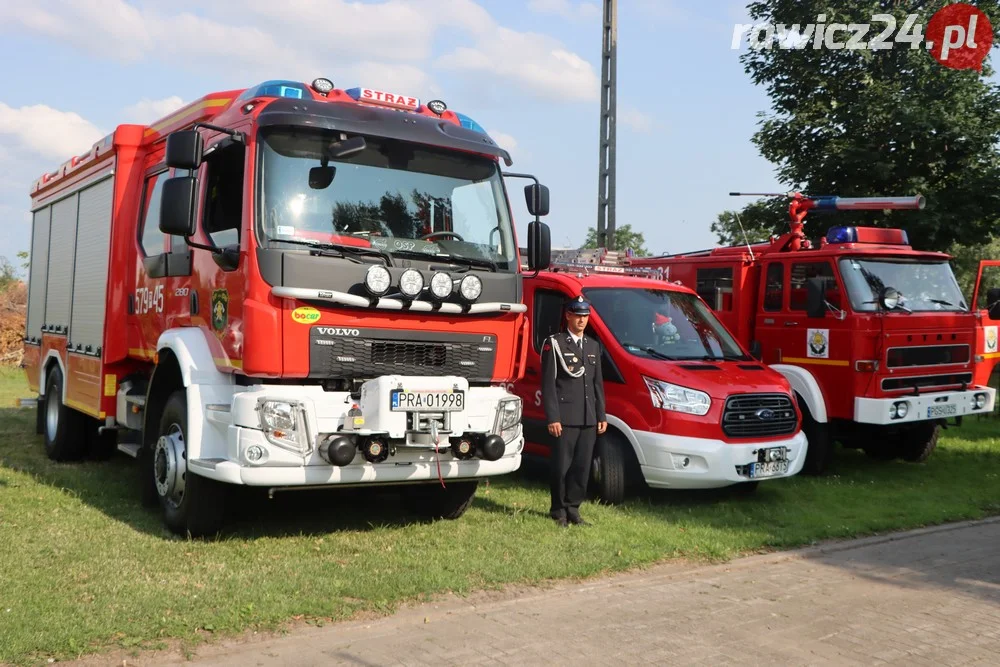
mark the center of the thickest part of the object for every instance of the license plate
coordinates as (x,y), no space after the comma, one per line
(942,410)
(401,400)
(769,469)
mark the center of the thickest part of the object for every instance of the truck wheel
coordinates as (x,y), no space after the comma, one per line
(434,502)
(64,439)
(916,443)
(191,504)
(608,474)
(819,449)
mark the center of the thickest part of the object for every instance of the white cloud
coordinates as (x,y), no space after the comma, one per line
(385,44)
(567,9)
(46,132)
(635,120)
(503,140)
(147,111)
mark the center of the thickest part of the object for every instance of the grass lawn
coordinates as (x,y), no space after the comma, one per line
(84,568)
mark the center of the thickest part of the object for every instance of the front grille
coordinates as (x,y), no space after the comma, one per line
(927,355)
(926,382)
(367,353)
(758,415)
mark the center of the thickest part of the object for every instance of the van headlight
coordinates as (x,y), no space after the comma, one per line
(679,399)
(508,418)
(284,424)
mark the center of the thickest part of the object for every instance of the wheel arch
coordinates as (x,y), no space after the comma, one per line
(804,384)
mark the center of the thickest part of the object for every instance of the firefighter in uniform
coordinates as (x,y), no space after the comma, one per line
(573,397)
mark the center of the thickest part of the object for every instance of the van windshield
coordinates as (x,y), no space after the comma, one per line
(662,324)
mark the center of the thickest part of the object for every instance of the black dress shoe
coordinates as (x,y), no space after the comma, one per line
(578,521)
(561,522)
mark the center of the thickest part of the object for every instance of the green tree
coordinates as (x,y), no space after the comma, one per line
(760,220)
(860,123)
(624,238)
(23,256)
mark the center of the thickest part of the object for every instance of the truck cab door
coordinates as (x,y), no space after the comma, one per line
(773,319)
(163,261)
(545,307)
(986,307)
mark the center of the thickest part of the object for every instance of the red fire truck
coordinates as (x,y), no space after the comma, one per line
(288,285)
(688,407)
(986,307)
(875,337)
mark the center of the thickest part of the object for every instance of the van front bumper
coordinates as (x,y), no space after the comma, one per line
(679,462)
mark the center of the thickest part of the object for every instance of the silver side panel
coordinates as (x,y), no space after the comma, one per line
(90,281)
(61,255)
(38,272)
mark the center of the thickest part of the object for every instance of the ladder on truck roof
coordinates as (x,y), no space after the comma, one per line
(601,260)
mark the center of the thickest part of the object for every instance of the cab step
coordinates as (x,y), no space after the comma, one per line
(129,448)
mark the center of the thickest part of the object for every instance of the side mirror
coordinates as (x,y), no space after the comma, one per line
(755,351)
(539,246)
(184,149)
(177,206)
(537,198)
(321,177)
(993,300)
(816,297)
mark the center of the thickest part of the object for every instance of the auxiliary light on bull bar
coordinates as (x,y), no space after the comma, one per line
(378,280)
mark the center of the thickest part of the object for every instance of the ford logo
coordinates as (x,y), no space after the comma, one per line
(765,414)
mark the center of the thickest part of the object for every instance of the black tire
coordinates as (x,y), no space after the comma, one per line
(62,425)
(819,449)
(916,443)
(609,471)
(199,509)
(433,502)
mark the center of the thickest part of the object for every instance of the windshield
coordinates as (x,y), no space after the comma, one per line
(924,286)
(660,324)
(402,198)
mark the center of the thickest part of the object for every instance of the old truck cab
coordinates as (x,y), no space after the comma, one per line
(688,407)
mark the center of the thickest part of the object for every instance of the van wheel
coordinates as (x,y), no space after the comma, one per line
(191,504)
(819,449)
(433,502)
(62,425)
(916,443)
(608,474)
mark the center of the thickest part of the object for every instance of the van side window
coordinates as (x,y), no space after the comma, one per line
(715,286)
(151,238)
(801,273)
(774,286)
(547,316)
(224,196)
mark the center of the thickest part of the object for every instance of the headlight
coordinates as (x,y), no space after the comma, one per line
(284,424)
(508,418)
(471,288)
(679,399)
(411,283)
(441,285)
(899,409)
(980,401)
(377,280)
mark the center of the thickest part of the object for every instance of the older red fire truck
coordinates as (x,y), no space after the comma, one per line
(288,285)
(875,337)
(688,407)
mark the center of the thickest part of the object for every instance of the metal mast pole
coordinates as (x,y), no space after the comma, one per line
(606,175)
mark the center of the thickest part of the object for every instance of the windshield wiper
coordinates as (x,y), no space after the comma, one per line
(346,251)
(650,351)
(465,263)
(725,357)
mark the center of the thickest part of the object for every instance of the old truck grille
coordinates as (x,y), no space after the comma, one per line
(758,415)
(366,353)
(927,355)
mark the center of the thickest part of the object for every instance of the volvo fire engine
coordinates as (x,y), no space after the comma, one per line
(875,337)
(688,407)
(289,285)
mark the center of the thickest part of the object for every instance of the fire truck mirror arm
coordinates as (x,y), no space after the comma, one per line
(805,386)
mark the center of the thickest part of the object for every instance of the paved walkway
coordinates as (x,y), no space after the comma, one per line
(929,597)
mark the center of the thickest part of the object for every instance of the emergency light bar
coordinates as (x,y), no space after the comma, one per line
(867,235)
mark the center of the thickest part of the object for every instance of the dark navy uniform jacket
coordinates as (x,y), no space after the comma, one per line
(572,381)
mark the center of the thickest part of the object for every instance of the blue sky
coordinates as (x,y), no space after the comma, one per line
(526,70)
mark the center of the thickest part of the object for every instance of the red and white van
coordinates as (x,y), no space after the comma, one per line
(688,407)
